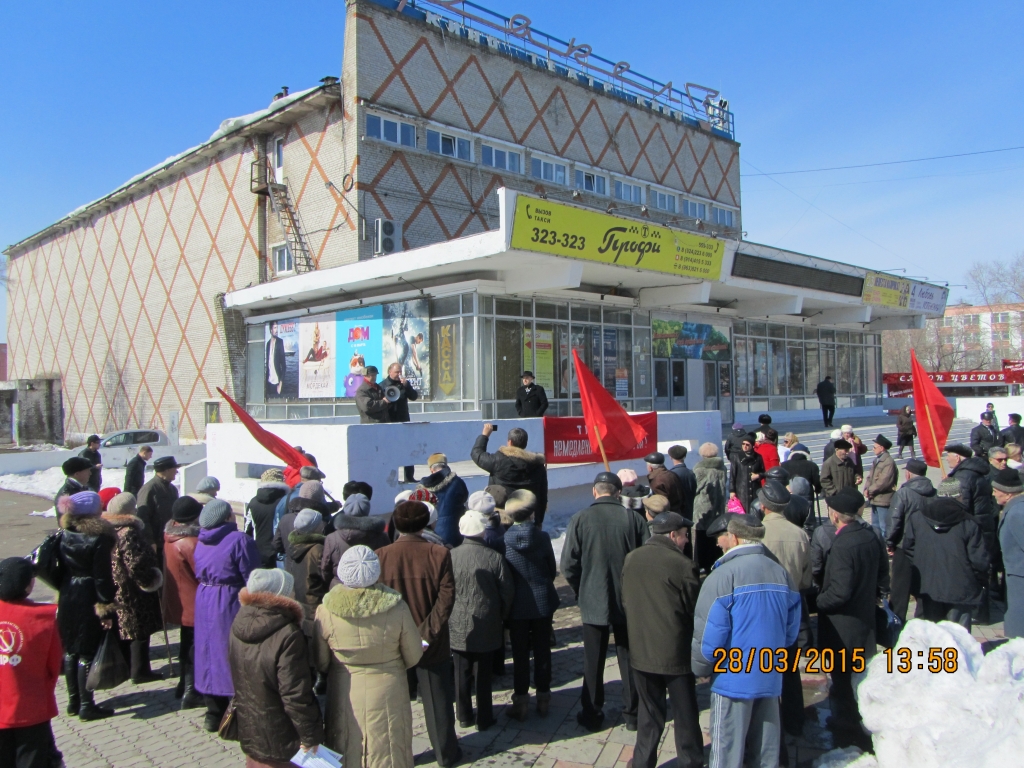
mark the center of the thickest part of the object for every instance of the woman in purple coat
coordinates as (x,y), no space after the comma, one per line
(224,559)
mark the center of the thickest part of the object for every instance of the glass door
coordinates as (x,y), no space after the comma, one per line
(662,391)
(710,386)
(725,392)
(678,385)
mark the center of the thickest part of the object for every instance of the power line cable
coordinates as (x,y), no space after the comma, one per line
(889,162)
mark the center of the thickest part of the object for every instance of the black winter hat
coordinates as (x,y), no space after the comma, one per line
(165,462)
(917,467)
(185,509)
(884,441)
(655,458)
(411,516)
(74,465)
(849,501)
(778,473)
(609,477)
(842,444)
(16,574)
(764,418)
(1008,481)
(667,522)
(959,449)
(773,495)
(677,452)
(750,437)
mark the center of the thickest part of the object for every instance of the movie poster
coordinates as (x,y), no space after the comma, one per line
(406,341)
(317,356)
(281,377)
(360,343)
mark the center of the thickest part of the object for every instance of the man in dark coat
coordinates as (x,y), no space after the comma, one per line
(531,400)
(839,471)
(135,470)
(260,511)
(398,411)
(373,408)
(856,575)
(659,595)
(826,392)
(156,499)
(949,557)
(665,483)
(746,473)
(689,480)
(799,464)
(597,541)
(985,435)
(91,452)
(1013,434)
(452,495)
(514,467)
(910,499)
(734,443)
(77,472)
(276,366)
(422,573)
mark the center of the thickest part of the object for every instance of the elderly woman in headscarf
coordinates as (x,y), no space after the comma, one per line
(138,576)
(352,525)
(366,640)
(85,602)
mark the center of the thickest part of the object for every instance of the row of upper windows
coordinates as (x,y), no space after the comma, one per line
(543,169)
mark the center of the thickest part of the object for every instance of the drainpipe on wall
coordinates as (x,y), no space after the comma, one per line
(261,215)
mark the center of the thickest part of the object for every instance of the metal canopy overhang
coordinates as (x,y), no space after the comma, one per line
(488,256)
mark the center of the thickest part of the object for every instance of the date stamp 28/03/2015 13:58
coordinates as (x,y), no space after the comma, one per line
(827,660)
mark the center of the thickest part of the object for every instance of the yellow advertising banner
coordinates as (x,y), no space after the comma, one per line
(564,230)
(446,345)
(886,291)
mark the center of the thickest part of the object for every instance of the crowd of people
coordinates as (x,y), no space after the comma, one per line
(316,622)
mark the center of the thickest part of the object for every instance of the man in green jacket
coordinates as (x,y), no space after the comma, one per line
(838,472)
(659,593)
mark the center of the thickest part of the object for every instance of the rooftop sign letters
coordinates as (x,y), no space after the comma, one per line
(576,233)
(883,290)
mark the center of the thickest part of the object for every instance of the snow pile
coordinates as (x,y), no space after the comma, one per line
(37,447)
(233,124)
(971,717)
(45,482)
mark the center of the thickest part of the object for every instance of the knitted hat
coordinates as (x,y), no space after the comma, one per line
(667,522)
(737,425)
(403,496)
(356,505)
(959,449)
(16,573)
(81,503)
(306,521)
(884,441)
(1008,481)
(123,504)
(436,458)
(359,567)
(422,494)
(677,452)
(500,495)
(917,467)
(627,476)
(482,502)
(186,509)
(520,505)
(411,517)
(655,504)
(271,476)
(472,523)
(209,486)
(274,581)
(74,465)
(311,473)
(312,490)
(949,487)
(800,486)
(216,512)
(106,494)
(773,495)
(849,501)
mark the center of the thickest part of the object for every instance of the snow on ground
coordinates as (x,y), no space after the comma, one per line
(34,447)
(45,483)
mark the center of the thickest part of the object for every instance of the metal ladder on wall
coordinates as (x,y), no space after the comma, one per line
(262,181)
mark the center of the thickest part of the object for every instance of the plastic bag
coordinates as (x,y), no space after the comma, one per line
(46,560)
(109,668)
(735,506)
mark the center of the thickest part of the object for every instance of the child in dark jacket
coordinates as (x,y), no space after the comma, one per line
(30,664)
(532,559)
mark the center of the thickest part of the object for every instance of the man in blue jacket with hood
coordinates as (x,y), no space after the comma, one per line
(746,604)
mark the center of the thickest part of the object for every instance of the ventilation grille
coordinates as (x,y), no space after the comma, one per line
(771,271)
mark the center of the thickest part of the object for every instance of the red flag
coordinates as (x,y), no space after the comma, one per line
(934,414)
(607,422)
(271,442)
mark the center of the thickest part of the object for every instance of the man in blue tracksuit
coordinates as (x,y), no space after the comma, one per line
(747,603)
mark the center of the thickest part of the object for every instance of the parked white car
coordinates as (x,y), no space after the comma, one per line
(117,448)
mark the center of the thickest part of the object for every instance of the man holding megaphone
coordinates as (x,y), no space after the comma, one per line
(398,392)
(373,407)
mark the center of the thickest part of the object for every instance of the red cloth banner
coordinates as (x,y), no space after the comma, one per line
(271,442)
(934,415)
(566,440)
(608,422)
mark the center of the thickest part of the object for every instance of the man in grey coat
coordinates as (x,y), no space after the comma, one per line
(373,408)
(1010,493)
(597,541)
(908,501)
(881,484)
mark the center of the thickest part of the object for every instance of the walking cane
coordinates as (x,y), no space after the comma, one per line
(817,510)
(167,642)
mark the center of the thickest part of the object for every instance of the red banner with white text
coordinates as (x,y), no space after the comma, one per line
(566,440)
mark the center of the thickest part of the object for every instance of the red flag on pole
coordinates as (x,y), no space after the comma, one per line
(934,415)
(610,429)
(271,442)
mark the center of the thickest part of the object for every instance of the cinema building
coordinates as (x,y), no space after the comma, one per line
(471,198)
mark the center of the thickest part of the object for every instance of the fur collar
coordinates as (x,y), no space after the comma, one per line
(519,453)
(296,539)
(90,525)
(124,521)
(275,603)
(438,481)
(361,603)
(369,523)
(182,530)
(275,485)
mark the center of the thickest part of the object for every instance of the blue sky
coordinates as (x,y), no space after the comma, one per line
(98,92)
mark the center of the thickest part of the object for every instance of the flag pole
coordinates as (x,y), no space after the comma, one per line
(600,444)
(935,441)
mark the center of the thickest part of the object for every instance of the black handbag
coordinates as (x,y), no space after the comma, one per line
(109,668)
(46,560)
(228,729)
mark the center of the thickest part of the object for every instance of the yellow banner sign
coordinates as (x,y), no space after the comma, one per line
(884,290)
(564,230)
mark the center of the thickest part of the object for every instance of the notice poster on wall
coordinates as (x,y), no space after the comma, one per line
(317,361)
(542,344)
(693,341)
(281,378)
(407,341)
(360,343)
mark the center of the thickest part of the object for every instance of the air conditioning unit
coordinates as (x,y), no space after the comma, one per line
(387,237)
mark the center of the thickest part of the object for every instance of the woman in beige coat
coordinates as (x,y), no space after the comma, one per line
(366,639)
